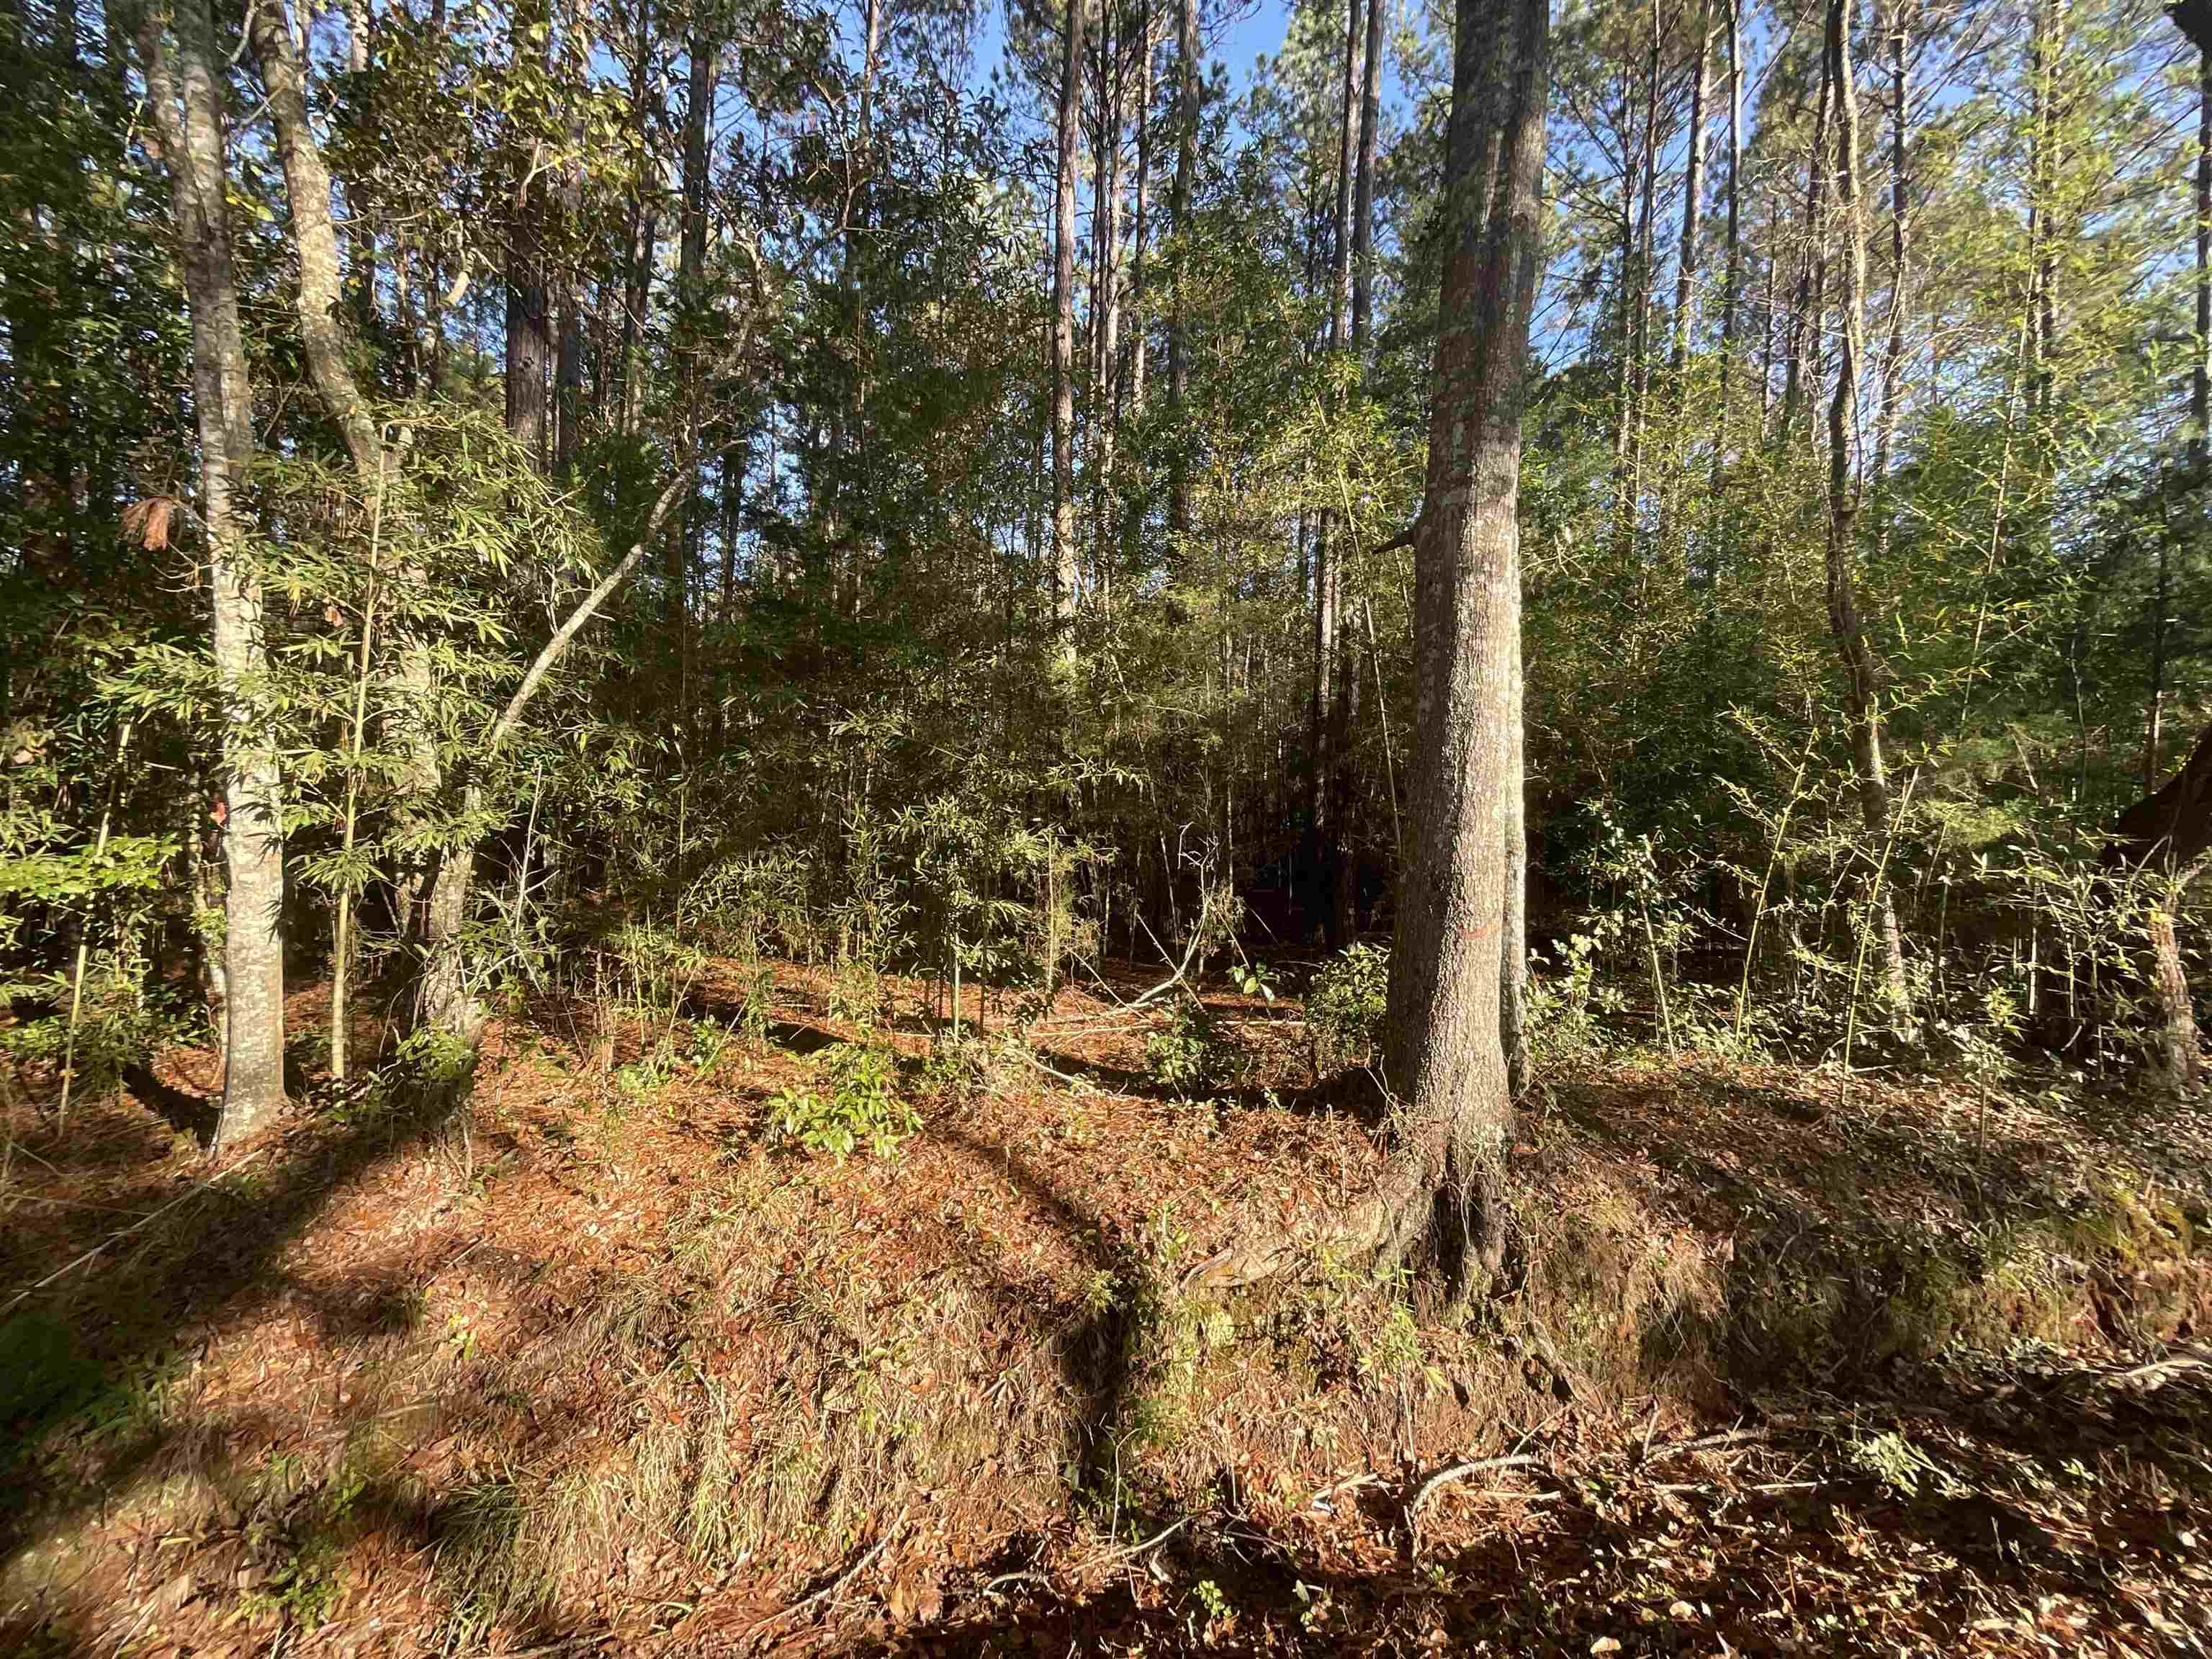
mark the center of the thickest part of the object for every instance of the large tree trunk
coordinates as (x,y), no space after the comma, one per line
(1446,1054)
(1863,672)
(2168,835)
(1063,573)
(184,99)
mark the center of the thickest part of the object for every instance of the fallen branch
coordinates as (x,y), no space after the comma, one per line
(829,1591)
(117,1237)
(1710,1442)
(1457,1472)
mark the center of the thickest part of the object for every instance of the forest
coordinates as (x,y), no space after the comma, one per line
(869,827)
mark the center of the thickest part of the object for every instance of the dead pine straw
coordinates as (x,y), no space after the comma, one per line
(593,1362)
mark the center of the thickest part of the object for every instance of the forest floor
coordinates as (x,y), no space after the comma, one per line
(585,1362)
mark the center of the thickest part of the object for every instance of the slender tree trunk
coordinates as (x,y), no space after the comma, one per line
(2049,53)
(644,231)
(1892,351)
(1638,185)
(686,546)
(2200,413)
(448,995)
(529,339)
(1805,320)
(1106,216)
(568,374)
(1363,204)
(1178,320)
(1861,671)
(1340,286)
(1686,266)
(308,191)
(1732,281)
(1065,574)
(1140,330)
(184,97)
(1693,194)
(1446,1055)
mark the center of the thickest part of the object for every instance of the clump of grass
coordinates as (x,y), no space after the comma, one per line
(493,1577)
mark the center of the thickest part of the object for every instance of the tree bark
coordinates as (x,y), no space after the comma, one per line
(1446,1055)
(307,194)
(1064,574)
(2168,836)
(684,547)
(185,99)
(1863,672)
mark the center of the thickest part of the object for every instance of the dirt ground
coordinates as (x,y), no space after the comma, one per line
(590,1359)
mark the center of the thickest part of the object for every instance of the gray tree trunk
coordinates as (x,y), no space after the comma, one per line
(184,100)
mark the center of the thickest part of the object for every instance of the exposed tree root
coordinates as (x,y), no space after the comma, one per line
(1453,1231)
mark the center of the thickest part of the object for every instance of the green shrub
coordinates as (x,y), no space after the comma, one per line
(1346,1005)
(1188,1054)
(859,1109)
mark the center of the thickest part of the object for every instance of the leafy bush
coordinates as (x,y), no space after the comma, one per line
(1346,1005)
(860,1109)
(1189,1054)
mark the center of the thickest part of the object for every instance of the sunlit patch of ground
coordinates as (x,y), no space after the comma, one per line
(592,1361)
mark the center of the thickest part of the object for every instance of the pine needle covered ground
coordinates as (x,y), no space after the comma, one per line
(619,1354)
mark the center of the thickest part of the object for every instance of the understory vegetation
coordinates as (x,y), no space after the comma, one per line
(1109,825)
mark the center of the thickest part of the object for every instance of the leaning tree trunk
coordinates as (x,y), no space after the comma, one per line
(1863,672)
(1446,1055)
(185,99)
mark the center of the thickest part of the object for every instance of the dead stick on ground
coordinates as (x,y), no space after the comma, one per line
(117,1237)
(1709,1443)
(1443,1478)
(831,1589)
